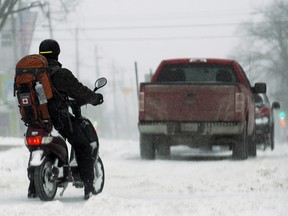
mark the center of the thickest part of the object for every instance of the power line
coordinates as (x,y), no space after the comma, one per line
(110,28)
(145,27)
(106,28)
(158,26)
(155,38)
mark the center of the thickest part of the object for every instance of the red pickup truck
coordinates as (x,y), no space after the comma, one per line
(198,103)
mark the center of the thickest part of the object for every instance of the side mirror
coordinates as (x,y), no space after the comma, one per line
(276,105)
(100,83)
(260,88)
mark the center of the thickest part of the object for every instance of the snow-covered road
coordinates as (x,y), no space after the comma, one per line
(188,184)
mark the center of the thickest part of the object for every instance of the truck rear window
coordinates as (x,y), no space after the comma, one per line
(206,73)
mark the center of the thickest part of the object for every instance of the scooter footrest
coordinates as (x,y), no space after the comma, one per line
(78,184)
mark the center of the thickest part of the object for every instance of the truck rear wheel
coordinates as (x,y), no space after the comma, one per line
(147,148)
(272,137)
(163,148)
(240,147)
(252,147)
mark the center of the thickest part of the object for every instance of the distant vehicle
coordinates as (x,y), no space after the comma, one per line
(264,120)
(198,103)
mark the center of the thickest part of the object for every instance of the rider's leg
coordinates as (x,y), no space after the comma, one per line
(31,188)
(83,151)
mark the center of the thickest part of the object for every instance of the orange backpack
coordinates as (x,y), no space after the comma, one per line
(31,70)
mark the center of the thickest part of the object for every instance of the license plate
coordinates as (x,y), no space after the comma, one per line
(189,127)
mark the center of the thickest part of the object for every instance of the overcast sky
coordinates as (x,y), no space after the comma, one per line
(124,31)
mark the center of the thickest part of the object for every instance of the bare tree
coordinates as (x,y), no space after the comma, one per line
(265,47)
(9,7)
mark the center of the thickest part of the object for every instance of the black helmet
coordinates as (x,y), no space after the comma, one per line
(49,48)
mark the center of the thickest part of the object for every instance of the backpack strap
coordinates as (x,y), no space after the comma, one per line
(52,71)
(34,71)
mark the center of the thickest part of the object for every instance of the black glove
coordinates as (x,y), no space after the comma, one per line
(97,99)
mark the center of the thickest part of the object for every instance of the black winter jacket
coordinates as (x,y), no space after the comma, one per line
(68,86)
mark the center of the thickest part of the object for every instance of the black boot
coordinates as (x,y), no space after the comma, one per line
(89,191)
(31,190)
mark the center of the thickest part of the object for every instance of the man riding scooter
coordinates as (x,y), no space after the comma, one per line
(65,84)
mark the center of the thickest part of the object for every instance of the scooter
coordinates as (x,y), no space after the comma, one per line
(50,166)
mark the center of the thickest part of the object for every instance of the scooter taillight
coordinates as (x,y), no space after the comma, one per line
(37,136)
(34,140)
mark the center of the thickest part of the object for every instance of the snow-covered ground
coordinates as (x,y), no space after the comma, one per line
(188,184)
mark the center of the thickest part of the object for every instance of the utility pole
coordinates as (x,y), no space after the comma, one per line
(97,57)
(136,74)
(77,52)
(116,117)
(49,21)
(15,40)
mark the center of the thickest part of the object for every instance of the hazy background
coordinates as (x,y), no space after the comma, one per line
(119,32)
(107,38)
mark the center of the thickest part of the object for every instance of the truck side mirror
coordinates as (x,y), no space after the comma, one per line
(276,105)
(260,88)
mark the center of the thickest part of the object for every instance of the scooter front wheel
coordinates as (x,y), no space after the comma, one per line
(45,186)
(99,175)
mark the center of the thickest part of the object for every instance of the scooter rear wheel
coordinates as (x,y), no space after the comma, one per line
(99,177)
(45,186)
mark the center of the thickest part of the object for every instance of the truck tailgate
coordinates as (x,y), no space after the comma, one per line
(189,102)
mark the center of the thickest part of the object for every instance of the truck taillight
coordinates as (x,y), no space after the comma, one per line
(141,101)
(239,105)
(265,111)
(141,105)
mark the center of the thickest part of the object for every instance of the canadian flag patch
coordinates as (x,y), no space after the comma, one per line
(25,99)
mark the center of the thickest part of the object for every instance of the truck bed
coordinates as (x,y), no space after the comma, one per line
(189,102)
